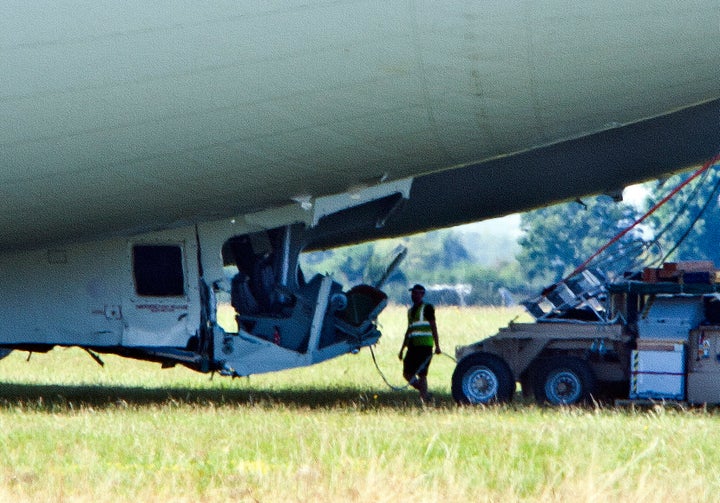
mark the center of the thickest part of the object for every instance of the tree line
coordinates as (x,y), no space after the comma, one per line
(552,243)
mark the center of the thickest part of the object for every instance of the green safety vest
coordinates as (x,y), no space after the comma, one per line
(420,329)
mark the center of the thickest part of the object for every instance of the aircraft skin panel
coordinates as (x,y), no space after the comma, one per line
(133,117)
(602,162)
(84,294)
(60,295)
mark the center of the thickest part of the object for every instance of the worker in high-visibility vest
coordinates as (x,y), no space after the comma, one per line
(420,337)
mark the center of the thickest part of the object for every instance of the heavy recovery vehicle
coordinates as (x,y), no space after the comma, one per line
(652,335)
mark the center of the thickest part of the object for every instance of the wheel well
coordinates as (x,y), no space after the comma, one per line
(549,353)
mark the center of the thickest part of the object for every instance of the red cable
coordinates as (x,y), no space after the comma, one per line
(677,189)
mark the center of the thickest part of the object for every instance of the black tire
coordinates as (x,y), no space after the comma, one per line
(482,378)
(564,380)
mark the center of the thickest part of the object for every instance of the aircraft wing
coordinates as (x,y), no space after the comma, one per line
(130,117)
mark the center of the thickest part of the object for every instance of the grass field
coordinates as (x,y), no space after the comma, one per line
(72,431)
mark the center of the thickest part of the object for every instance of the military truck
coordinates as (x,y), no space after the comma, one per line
(650,335)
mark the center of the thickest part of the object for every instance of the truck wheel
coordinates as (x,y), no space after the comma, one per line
(482,378)
(564,380)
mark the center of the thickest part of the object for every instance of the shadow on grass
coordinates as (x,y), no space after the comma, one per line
(63,398)
(59,398)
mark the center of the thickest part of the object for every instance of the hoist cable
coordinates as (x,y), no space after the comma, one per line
(711,198)
(652,210)
(402,388)
(399,388)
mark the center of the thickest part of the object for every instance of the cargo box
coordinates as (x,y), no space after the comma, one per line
(671,318)
(670,275)
(660,344)
(658,374)
(696,266)
(650,275)
(699,277)
(658,386)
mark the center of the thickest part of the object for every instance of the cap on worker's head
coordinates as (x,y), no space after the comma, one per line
(417,287)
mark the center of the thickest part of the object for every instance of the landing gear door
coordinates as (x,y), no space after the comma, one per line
(162,307)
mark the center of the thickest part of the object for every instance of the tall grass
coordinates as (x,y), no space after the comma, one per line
(71,431)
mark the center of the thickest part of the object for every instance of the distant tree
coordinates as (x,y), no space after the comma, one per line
(347,263)
(559,238)
(434,251)
(437,257)
(491,249)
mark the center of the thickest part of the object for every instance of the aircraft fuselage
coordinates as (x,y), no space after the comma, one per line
(156,296)
(125,118)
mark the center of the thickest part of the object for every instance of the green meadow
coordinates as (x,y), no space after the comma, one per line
(131,431)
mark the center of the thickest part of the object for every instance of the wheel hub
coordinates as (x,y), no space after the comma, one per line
(480,385)
(563,387)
